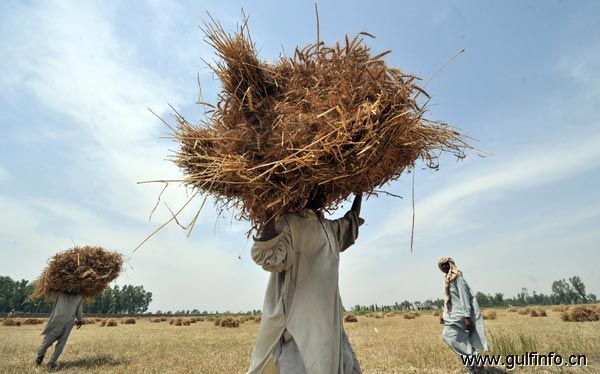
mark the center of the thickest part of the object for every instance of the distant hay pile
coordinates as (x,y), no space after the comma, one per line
(411,315)
(11,322)
(512,310)
(538,312)
(86,270)
(524,311)
(33,321)
(436,313)
(128,321)
(580,314)
(109,323)
(89,321)
(332,118)
(230,322)
(350,318)
(490,314)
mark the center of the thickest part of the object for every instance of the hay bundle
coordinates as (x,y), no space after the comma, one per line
(103,323)
(524,311)
(11,322)
(580,314)
(378,315)
(538,313)
(336,119)
(230,322)
(217,322)
(193,320)
(257,319)
(109,323)
(162,319)
(512,310)
(33,321)
(436,313)
(186,323)
(89,321)
(128,321)
(350,318)
(489,314)
(409,315)
(86,270)
(155,320)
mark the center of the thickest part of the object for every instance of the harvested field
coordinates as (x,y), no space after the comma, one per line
(385,345)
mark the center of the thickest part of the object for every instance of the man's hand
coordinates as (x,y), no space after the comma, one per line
(469,324)
(78,323)
(441,319)
(269,231)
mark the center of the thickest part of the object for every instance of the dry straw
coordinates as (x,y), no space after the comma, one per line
(332,118)
(580,314)
(86,270)
(350,318)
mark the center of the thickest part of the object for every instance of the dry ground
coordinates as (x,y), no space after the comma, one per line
(387,345)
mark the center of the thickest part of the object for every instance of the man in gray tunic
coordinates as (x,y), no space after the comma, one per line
(301,325)
(463,331)
(66,312)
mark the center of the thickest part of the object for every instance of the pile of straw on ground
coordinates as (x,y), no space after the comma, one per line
(350,318)
(128,321)
(580,314)
(11,322)
(332,118)
(230,322)
(539,312)
(489,314)
(86,270)
(33,321)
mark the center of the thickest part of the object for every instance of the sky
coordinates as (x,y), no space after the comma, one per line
(76,136)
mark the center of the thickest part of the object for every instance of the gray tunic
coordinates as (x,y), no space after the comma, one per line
(464,304)
(302,296)
(66,309)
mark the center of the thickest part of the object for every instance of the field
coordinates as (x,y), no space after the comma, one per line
(384,345)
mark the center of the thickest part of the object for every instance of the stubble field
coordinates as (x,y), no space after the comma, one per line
(391,344)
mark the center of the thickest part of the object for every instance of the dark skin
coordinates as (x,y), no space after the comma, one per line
(78,324)
(468,321)
(315,203)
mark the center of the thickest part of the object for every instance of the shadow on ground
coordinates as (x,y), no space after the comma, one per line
(92,362)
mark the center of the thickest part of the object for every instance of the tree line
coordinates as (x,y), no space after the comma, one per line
(571,291)
(16,295)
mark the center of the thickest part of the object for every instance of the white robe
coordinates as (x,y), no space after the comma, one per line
(302,295)
(455,334)
(66,309)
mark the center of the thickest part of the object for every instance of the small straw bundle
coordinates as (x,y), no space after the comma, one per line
(86,270)
(333,119)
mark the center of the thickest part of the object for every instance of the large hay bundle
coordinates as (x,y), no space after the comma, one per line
(336,119)
(11,322)
(86,270)
(580,314)
(350,318)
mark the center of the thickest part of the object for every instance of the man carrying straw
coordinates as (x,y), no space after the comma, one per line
(463,331)
(302,314)
(67,311)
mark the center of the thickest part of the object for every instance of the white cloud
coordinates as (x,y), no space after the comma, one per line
(539,165)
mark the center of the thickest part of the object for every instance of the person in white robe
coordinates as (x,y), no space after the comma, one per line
(301,325)
(464,331)
(66,312)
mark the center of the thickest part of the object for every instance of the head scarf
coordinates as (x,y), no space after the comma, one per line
(453,273)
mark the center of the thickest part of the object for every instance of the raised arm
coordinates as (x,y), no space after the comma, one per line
(356,204)
(273,249)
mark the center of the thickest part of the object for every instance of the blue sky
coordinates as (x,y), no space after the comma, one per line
(75,137)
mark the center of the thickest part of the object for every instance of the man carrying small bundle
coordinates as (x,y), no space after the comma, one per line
(301,323)
(463,331)
(67,311)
